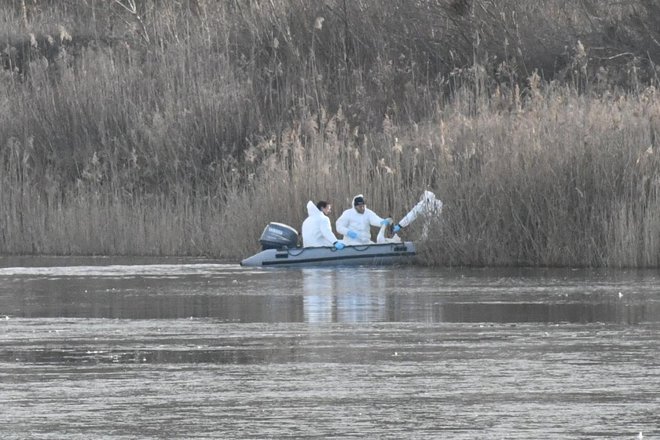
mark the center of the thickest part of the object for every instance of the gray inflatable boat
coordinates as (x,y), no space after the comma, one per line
(279,249)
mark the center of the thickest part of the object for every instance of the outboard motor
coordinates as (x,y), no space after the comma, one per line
(278,236)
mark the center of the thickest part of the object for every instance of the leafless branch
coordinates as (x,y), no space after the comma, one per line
(131,8)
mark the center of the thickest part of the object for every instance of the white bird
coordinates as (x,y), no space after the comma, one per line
(640,436)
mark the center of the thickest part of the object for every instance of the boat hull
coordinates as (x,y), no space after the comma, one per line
(368,255)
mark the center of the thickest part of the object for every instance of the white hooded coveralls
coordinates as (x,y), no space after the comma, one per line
(428,206)
(351,220)
(316,229)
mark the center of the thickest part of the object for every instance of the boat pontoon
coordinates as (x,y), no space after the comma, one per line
(279,249)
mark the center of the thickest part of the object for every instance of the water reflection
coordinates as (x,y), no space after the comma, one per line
(323,295)
(344,295)
(319,295)
(362,295)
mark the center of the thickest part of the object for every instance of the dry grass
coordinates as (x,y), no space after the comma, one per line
(186,131)
(558,179)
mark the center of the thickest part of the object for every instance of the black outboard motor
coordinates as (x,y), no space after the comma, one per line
(278,236)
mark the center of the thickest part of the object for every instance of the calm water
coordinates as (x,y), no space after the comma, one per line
(103,348)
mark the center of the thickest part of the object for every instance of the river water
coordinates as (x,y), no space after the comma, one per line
(178,348)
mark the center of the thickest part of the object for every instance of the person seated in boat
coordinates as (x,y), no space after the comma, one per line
(428,207)
(316,229)
(355,223)
(386,234)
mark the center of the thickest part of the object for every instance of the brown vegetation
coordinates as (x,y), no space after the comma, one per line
(184,127)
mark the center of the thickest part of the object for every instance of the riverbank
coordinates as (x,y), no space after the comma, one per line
(184,129)
(562,179)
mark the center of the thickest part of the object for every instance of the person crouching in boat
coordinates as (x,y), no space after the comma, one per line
(316,229)
(355,223)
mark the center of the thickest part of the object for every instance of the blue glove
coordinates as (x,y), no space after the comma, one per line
(352,234)
(385,222)
(339,245)
(396,228)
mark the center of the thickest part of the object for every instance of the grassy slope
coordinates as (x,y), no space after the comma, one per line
(195,123)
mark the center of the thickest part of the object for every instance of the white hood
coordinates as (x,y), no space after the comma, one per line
(312,209)
(316,229)
(353,201)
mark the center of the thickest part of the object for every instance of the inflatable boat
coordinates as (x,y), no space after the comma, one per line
(279,244)
(369,254)
(279,249)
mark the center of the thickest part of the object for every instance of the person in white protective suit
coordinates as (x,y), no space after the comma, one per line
(428,207)
(316,229)
(355,223)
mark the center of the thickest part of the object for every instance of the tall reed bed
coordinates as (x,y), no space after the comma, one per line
(185,127)
(556,178)
(553,179)
(547,183)
(97,221)
(176,93)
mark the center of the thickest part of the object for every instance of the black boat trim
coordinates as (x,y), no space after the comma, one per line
(343,257)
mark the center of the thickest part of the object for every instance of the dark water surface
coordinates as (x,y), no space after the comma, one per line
(127,349)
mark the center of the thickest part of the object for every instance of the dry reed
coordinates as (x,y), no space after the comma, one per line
(187,131)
